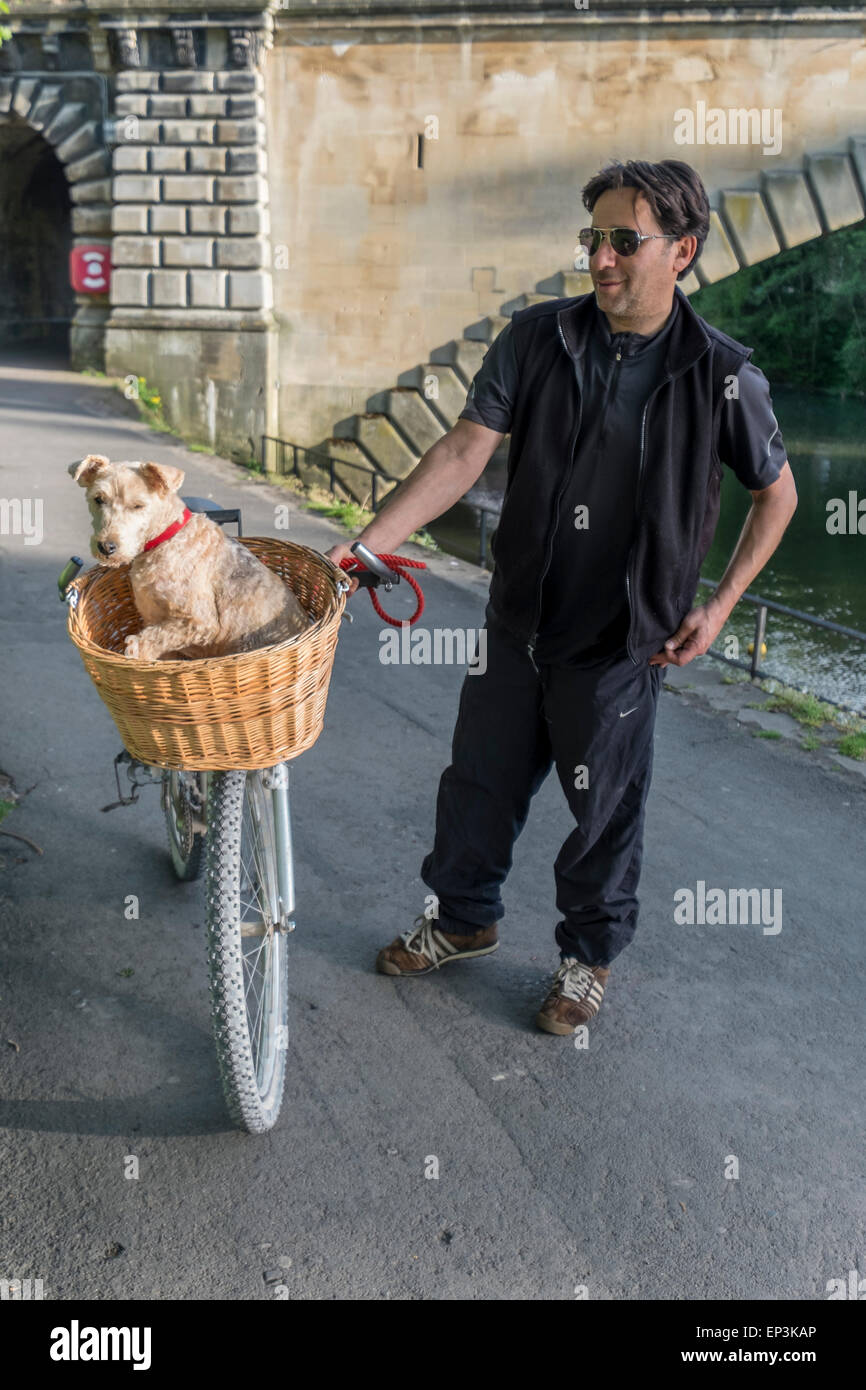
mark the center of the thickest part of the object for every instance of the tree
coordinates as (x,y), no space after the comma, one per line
(803,311)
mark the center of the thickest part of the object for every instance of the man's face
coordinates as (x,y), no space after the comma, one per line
(635,289)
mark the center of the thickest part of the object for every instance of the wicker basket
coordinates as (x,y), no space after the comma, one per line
(246,711)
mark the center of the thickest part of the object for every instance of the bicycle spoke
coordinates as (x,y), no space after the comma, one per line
(259,901)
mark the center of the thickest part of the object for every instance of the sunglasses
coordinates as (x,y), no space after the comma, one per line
(623,240)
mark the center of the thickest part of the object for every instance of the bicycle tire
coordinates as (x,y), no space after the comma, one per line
(250,1026)
(185,844)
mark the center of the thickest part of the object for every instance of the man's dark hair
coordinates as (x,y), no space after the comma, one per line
(674,191)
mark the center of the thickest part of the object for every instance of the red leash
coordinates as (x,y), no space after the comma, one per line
(399,564)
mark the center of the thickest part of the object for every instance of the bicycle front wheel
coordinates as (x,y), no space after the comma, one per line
(247,948)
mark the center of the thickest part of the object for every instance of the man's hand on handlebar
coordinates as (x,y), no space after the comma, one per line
(374,570)
(342,552)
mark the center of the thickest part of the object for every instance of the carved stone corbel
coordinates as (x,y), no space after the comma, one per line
(51,51)
(184,47)
(243,48)
(128,55)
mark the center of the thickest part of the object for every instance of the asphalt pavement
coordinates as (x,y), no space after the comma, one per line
(707,1143)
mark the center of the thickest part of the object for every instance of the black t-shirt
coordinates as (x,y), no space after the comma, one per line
(584,604)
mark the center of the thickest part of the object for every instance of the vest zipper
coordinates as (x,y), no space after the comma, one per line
(629,568)
(629,560)
(530,646)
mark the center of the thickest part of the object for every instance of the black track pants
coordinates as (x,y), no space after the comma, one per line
(513,722)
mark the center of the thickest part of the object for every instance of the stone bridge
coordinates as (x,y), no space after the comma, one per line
(320,212)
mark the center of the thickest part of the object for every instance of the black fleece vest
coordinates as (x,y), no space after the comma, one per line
(677,500)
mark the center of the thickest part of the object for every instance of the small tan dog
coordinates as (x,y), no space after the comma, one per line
(199,592)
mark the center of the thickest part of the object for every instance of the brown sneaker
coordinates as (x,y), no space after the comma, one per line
(424,947)
(575,997)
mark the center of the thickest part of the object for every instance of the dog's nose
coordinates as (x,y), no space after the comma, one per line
(106,547)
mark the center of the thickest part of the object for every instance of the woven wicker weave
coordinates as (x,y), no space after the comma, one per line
(246,711)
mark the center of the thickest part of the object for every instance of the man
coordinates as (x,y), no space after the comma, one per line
(622,406)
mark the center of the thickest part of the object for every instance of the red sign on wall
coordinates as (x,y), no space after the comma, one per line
(90,269)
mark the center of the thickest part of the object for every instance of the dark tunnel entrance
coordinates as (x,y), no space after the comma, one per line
(36,300)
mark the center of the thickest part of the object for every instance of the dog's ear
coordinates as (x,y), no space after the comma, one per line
(161,477)
(86,470)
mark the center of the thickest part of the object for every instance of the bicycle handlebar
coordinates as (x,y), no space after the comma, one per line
(70,572)
(375,571)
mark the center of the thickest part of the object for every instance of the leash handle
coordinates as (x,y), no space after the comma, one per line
(399,566)
(370,560)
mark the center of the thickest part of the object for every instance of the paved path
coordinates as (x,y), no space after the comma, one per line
(558,1168)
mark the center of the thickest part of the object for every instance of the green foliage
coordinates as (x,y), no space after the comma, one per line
(5,808)
(807,709)
(149,398)
(5,33)
(349,514)
(353,517)
(853,746)
(803,311)
(149,402)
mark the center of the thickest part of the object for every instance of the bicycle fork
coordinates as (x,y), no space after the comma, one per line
(276,781)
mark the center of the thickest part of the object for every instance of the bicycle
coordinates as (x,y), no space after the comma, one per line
(235,826)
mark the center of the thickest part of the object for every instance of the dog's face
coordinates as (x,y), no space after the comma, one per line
(130,503)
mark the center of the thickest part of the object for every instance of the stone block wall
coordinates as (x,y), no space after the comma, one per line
(423,168)
(190,216)
(426,181)
(191,296)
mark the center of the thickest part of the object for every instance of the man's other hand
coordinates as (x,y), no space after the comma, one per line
(695,635)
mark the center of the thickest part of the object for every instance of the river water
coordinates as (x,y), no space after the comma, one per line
(813,570)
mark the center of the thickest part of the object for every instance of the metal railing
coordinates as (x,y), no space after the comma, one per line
(287,459)
(765,606)
(284,458)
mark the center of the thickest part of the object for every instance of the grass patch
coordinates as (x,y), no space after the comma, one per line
(853,745)
(424,538)
(5,808)
(806,709)
(149,402)
(813,713)
(348,514)
(767,733)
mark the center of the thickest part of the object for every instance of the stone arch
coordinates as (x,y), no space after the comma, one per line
(68,111)
(788,207)
(36,300)
(782,209)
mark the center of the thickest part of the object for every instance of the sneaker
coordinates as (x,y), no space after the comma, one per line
(575,997)
(424,947)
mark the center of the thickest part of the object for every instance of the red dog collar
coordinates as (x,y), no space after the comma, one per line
(170,531)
